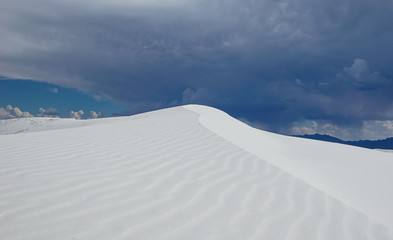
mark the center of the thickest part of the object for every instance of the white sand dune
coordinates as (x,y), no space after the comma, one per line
(173,174)
(37,124)
(360,177)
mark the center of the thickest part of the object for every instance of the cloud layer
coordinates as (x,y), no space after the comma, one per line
(10,112)
(277,62)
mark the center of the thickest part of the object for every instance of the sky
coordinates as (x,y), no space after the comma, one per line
(292,67)
(30,96)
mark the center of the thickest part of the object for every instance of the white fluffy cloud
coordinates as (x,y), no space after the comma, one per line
(13,112)
(50,112)
(388,125)
(94,115)
(77,115)
(377,129)
(302,130)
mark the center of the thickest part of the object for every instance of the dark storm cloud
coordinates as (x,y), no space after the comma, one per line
(272,61)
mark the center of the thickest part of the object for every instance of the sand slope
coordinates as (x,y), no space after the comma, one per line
(360,177)
(159,175)
(38,124)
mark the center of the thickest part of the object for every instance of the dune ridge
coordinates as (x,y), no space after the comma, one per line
(357,176)
(159,175)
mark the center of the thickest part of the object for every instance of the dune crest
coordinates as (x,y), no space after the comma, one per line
(357,176)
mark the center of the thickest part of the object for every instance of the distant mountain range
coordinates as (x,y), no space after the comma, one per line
(377,144)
